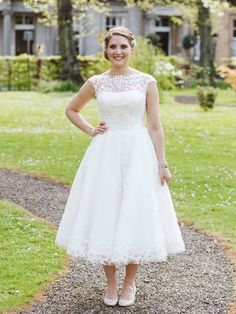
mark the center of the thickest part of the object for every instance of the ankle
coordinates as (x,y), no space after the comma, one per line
(111,282)
(129,281)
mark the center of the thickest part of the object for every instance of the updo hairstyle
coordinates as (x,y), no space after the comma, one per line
(120,31)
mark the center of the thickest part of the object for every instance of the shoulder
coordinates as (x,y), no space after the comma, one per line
(95,79)
(144,77)
(147,77)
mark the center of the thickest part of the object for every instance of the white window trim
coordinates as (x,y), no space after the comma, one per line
(116,16)
(24,27)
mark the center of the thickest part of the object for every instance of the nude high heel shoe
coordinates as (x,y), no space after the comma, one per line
(127,302)
(110,302)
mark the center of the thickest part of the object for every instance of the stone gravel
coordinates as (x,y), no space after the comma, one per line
(197,281)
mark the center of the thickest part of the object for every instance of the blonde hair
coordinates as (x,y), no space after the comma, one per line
(120,31)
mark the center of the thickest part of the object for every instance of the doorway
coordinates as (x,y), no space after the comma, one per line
(163,41)
(24,41)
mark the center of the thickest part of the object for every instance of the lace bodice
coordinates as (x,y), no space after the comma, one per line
(122,99)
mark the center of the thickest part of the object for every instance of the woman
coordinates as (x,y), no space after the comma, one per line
(120,211)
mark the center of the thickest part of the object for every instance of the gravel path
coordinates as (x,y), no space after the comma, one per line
(197,281)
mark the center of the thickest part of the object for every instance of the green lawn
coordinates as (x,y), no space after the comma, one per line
(29,259)
(36,137)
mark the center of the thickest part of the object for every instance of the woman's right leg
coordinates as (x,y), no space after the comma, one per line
(112,287)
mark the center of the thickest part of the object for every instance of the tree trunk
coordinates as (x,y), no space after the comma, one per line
(206,40)
(69,64)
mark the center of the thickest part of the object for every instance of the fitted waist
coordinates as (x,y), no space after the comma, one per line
(126,127)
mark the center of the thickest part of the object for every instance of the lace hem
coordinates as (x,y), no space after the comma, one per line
(119,259)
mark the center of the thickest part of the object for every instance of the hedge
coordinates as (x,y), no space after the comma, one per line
(25,72)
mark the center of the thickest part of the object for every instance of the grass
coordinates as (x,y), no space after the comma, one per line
(224,96)
(36,137)
(29,259)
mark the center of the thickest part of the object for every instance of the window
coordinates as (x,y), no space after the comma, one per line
(27,19)
(162,21)
(114,20)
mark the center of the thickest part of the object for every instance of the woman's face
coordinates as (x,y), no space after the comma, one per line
(119,50)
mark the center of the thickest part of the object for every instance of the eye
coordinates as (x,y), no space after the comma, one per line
(112,46)
(124,46)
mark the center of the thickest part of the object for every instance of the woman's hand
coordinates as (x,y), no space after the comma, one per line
(100,129)
(165,175)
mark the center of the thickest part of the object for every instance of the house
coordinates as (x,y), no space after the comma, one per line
(21,31)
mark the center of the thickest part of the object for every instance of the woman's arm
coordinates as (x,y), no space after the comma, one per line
(155,129)
(85,94)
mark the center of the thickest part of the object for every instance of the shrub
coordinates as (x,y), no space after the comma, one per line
(49,68)
(198,76)
(228,74)
(57,86)
(18,73)
(189,41)
(206,96)
(145,56)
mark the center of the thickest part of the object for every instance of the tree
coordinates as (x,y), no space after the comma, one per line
(206,41)
(69,64)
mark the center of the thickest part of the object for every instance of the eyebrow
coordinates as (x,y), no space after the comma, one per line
(125,45)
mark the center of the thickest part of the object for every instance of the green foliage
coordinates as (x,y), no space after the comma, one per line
(26,72)
(57,86)
(93,65)
(144,56)
(206,96)
(18,73)
(189,41)
(154,38)
(198,76)
(49,68)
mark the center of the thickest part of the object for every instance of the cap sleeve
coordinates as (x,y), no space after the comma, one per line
(95,82)
(147,78)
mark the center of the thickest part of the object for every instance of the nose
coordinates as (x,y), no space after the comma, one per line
(117,50)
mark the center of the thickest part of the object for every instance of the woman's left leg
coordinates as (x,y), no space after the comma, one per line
(129,281)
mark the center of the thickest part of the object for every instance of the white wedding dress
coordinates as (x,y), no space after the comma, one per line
(117,210)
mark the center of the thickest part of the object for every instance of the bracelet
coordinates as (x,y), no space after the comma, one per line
(163,165)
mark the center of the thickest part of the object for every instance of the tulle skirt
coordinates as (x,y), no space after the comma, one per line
(117,211)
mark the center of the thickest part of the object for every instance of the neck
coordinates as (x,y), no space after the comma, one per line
(120,70)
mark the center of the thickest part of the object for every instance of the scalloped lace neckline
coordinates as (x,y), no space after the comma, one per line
(121,75)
